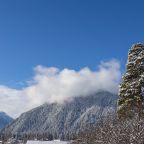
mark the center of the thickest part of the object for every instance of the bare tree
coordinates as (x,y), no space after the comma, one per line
(114,131)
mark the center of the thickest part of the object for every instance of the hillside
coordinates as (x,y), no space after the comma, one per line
(4,120)
(61,120)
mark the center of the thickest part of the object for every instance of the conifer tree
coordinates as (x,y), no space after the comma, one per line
(131,91)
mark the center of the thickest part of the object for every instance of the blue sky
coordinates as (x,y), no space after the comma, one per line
(65,33)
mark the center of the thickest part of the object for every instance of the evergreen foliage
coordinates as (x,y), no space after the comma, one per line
(131,90)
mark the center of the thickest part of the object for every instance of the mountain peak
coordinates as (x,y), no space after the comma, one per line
(4,119)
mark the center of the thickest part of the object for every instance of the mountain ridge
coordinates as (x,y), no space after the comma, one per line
(64,119)
(4,119)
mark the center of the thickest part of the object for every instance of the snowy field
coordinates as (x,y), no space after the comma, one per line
(47,142)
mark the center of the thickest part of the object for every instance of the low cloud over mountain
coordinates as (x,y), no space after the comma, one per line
(55,85)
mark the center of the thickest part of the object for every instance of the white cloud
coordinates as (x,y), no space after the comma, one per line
(55,85)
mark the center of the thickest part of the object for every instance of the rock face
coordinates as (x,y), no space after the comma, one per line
(4,120)
(131,90)
(62,120)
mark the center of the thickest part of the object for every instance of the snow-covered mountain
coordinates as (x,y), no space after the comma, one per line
(4,120)
(61,120)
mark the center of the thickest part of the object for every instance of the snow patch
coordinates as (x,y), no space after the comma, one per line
(47,142)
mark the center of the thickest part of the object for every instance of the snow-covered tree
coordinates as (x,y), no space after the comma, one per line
(131,90)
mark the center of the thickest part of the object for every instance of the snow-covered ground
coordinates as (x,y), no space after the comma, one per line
(47,142)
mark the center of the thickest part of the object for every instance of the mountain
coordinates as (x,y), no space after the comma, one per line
(4,120)
(62,120)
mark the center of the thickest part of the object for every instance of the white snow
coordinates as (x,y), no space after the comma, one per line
(47,142)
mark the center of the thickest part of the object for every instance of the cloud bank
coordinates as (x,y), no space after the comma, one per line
(51,84)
